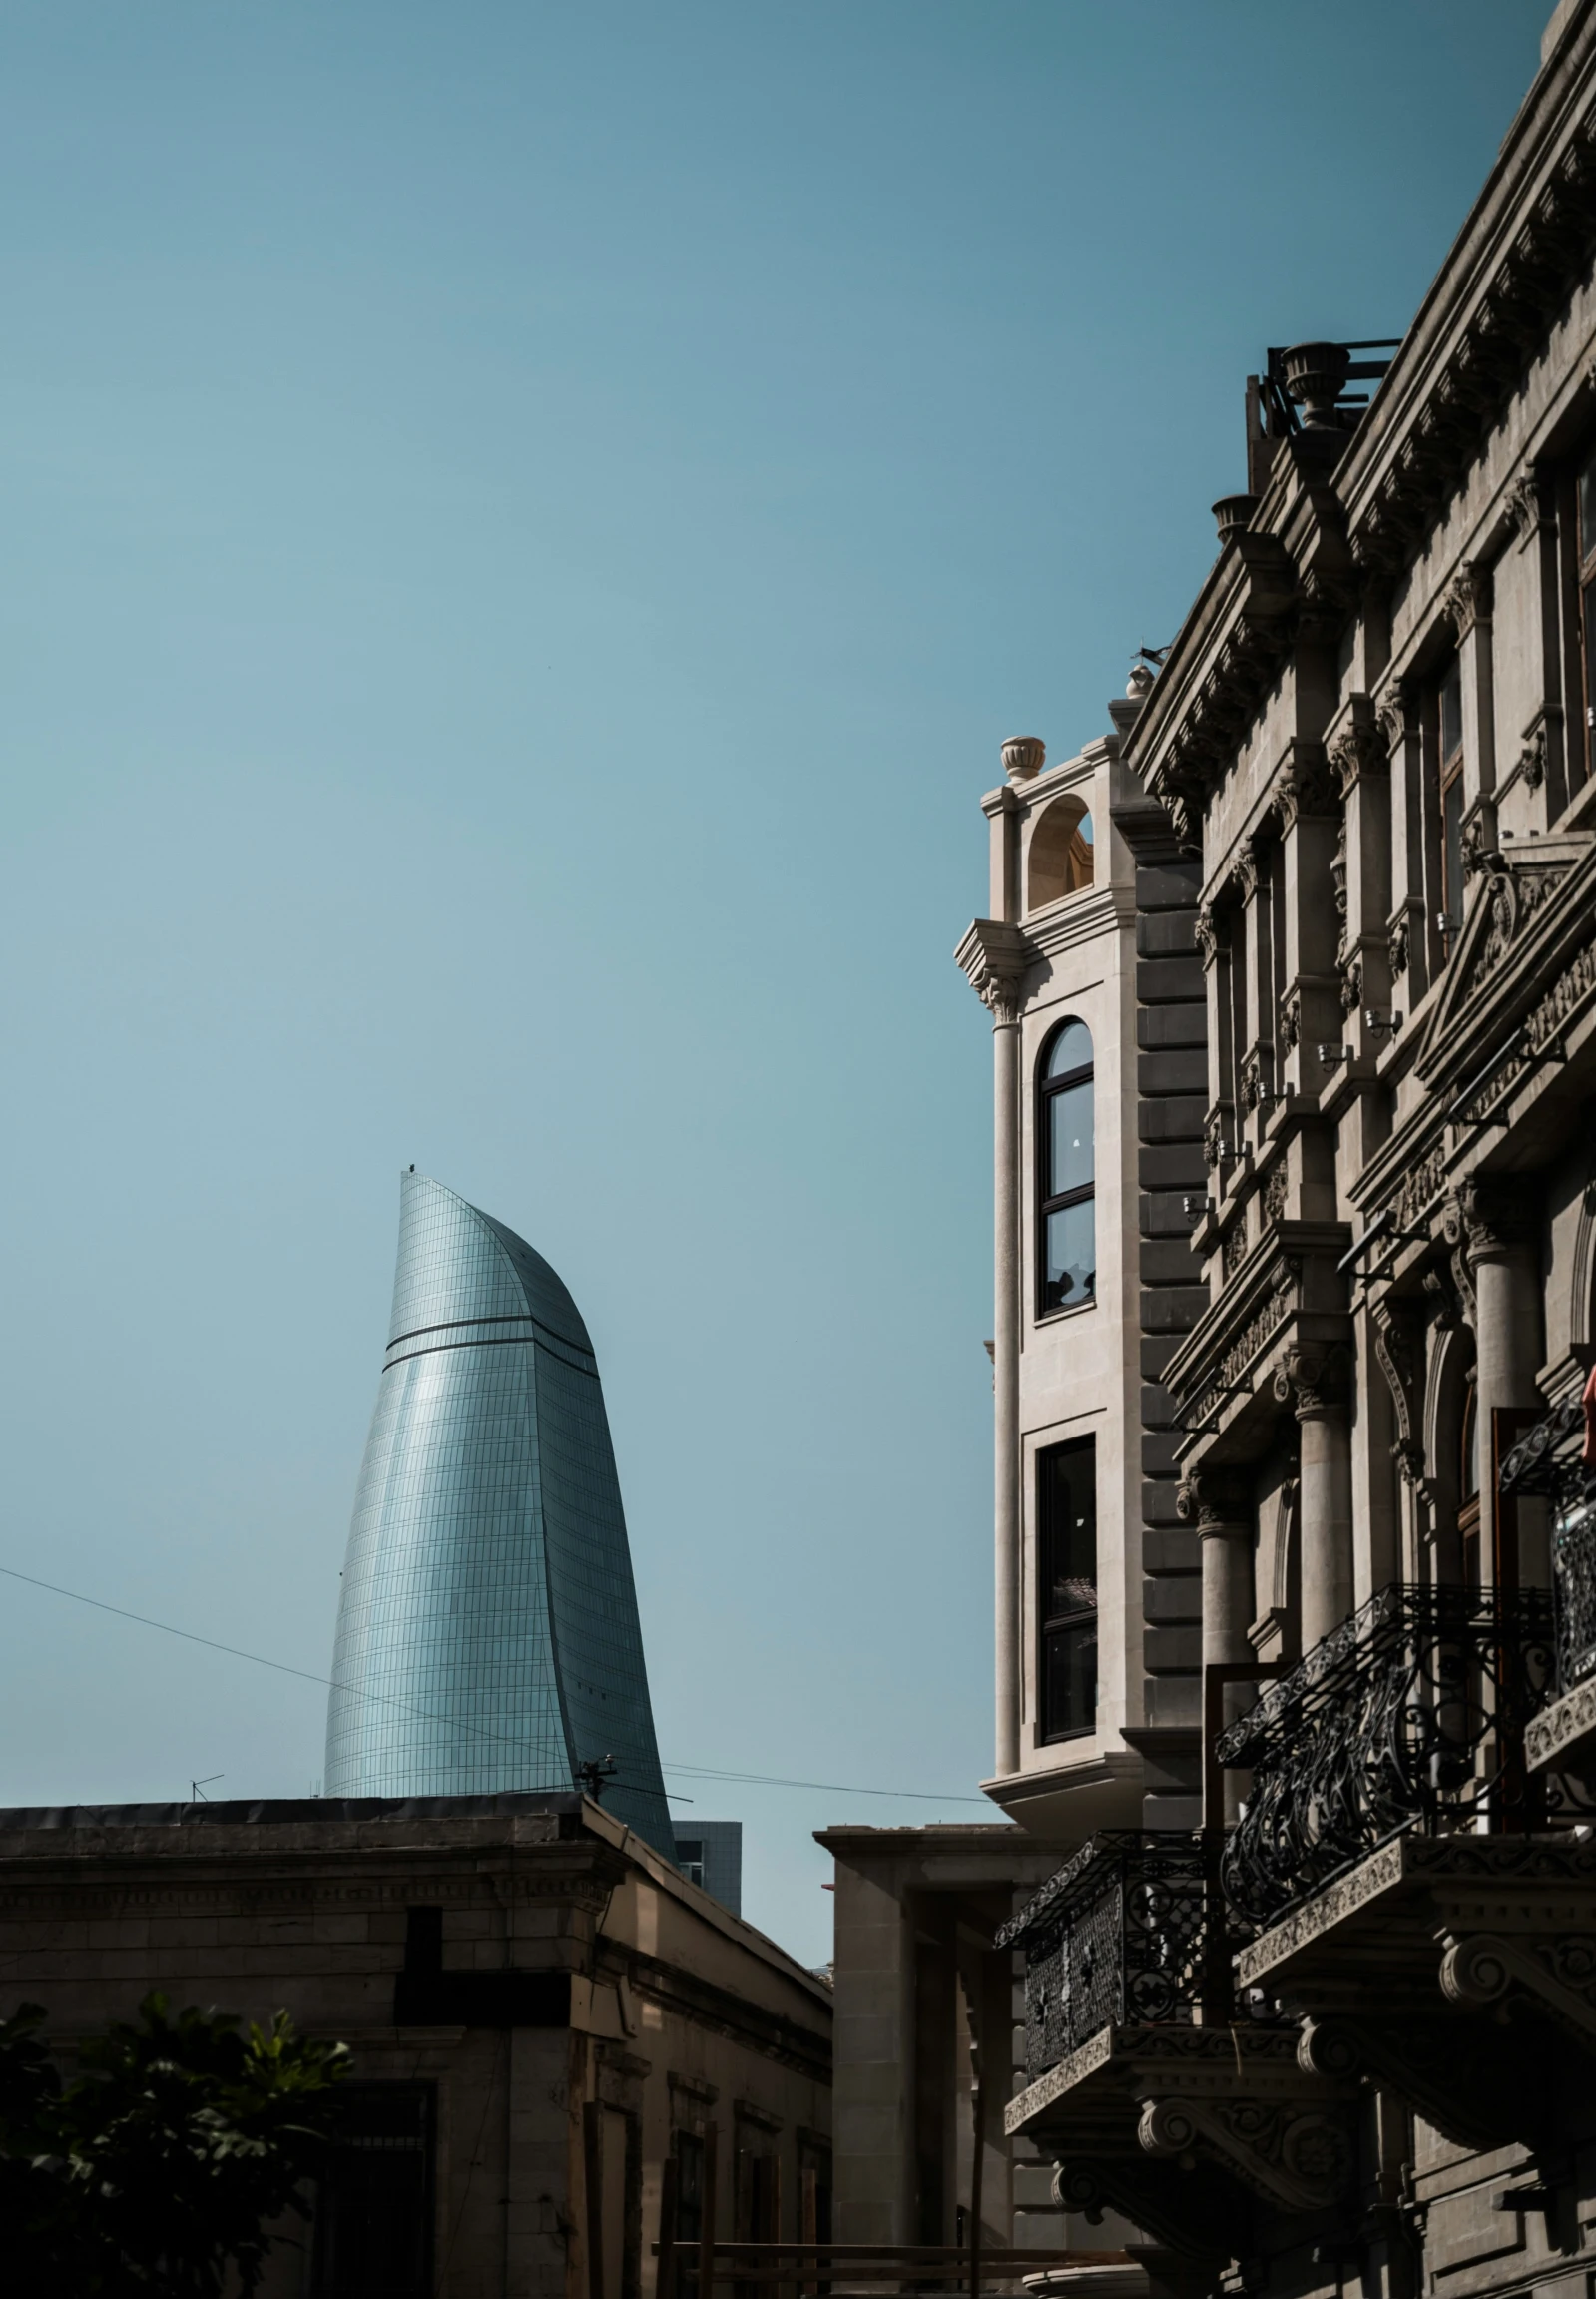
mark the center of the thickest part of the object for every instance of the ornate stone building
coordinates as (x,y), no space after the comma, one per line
(1345,2032)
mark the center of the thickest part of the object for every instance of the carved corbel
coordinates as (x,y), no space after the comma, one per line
(1298,2157)
(1250,864)
(1396,716)
(1529,505)
(1358,751)
(1304,784)
(1399,1350)
(1465,2079)
(1557,1972)
(1468,598)
(1000,994)
(1204,932)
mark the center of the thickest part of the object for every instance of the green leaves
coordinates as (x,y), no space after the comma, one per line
(157,2167)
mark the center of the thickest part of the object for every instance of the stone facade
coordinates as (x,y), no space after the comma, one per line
(1361,2044)
(542,2013)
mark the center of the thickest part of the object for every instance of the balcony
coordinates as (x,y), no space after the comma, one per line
(1141,2070)
(1548,1462)
(1411,1716)
(1422,1900)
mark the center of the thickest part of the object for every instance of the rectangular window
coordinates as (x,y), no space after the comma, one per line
(1451,788)
(1067,1598)
(1586,494)
(689,2186)
(690,1858)
(373,2210)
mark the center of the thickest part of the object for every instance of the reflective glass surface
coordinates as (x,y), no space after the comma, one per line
(1070,1050)
(1069,1271)
(1069,1138)
(1068,1495)
(488,1634)
(1070,1668)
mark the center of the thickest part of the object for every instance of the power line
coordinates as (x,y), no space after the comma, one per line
(481,1732)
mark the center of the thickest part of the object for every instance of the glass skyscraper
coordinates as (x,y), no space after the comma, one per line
(488,1634)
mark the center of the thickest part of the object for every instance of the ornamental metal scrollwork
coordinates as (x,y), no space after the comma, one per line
(1388,1724)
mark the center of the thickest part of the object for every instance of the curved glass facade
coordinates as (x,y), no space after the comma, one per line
(488,1634)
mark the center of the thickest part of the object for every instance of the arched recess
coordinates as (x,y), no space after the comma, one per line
(1060,860)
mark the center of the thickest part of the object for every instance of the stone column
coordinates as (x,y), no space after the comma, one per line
(1000,994)
(1313,1386)
(1499,1238)
(1220,1502)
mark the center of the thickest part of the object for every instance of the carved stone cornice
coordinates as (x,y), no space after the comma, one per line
(995,957)
(1488,318)
(1287,1275)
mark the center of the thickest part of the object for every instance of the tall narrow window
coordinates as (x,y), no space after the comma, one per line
(1587,601)
(1067,1549)
(1067,1211)
(1452,786)
(373,2217)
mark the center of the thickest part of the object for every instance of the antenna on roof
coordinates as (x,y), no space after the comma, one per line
(592,1778)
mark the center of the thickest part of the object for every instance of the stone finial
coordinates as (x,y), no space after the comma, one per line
(1140,682)
(1023,757)
(1234,512)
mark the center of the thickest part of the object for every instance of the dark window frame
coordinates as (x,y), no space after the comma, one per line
(1582,505)
(375,2121)
(1449,785)
(1048,1092)
(1053,1627)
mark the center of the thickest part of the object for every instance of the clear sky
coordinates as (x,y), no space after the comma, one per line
(522,529)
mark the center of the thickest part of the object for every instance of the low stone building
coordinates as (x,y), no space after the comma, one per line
(542,2013)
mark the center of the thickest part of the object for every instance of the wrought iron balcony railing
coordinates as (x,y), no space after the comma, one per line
(1117,1936)
(1548,1461)
(1411,1715)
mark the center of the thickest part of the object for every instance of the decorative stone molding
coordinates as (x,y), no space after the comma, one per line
(1468,598)
(1490,1218)
(1313,1383)
(1418,1187)
(995,957)
(1400,1353)
(1291,1018)
(1399,947)
(1251,860)
(1565,1728)
(1276,1182)
(1531,506)
(1215,1499)
(1396,715)
(1205,931)
(1304,784)
(1217,1142)
(1358,751)
(1350,971)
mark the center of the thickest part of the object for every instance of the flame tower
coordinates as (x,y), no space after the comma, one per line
(488,1635)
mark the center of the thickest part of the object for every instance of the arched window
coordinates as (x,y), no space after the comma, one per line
(1066,1209)
(1060,858)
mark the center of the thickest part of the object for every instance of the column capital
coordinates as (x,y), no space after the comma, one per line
(1313,1381)
(1216,1502)
(1489,1219)
(994,958)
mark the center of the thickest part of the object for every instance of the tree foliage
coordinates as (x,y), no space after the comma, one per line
(157,2166)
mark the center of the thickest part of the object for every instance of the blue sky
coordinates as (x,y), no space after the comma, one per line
(524,527)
